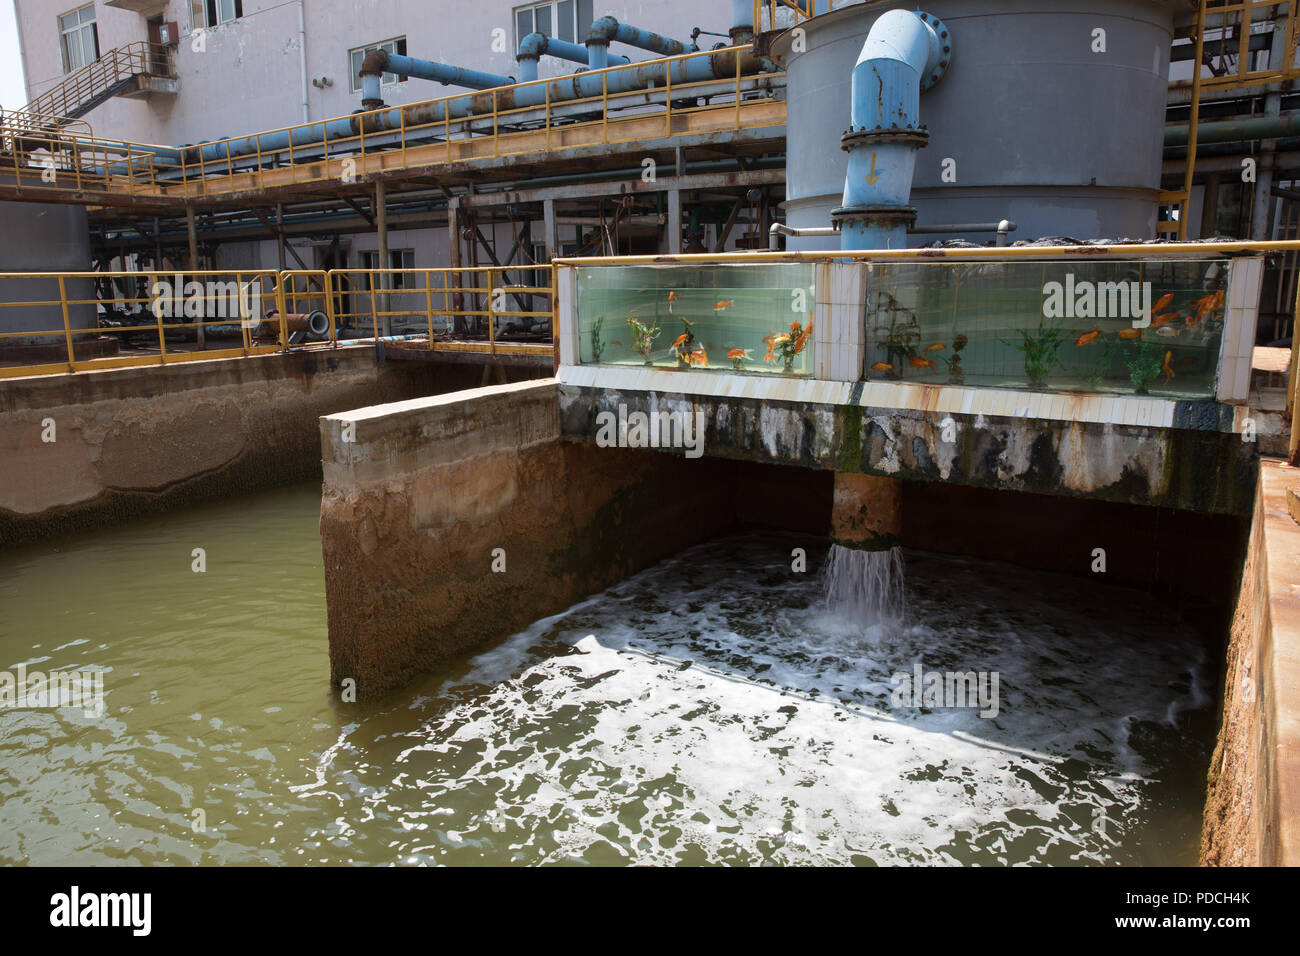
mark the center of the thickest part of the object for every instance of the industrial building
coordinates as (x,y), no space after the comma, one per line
(935,278)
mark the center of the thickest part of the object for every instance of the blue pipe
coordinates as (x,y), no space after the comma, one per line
(536,45)
(605,30)
(379,62)
(643,76)
(904,53)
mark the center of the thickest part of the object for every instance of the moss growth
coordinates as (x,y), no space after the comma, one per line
(850,456)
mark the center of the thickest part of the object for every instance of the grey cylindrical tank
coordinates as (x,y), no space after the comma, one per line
(1040,129)
(40,237)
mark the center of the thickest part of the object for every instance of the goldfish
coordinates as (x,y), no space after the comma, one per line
(936,347)
(738,354)
(672,297)
(681,339)
(917,362)
(779,340)
(698,357)
(881,367)
(1165,319)
(1166,367)
(769,357)
(1087,337)
(617,342)
(1167,330)
(1161,302)
(1129,333)
(719,306)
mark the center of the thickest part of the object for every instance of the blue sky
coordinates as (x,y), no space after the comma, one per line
(12,95)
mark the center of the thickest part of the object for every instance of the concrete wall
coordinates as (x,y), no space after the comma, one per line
(1194,462)
(139,440)
(415,504)
(1252,812)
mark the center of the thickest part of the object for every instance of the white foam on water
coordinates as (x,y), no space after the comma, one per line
(712,709)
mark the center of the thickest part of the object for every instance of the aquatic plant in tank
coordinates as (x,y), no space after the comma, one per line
(718,317)
(1055,325)
(786,346)
(1041,347)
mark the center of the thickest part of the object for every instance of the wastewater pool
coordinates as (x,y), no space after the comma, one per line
(708,710)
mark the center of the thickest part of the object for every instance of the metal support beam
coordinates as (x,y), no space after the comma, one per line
(675,222)
(548,225)
(192,232)
(381,227)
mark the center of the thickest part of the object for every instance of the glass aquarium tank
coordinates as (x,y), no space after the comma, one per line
(1149,327)
(754,318)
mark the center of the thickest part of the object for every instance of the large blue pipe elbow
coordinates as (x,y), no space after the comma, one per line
(903,54)
(607,29)
(536,45)
(379,62)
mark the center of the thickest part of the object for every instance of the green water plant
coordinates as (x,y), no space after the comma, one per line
(955,374)
(1041,347)
(1101,367)
(597,342)
(643,336)
(1143,367)
(899,338)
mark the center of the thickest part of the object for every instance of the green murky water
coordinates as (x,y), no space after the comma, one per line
(707,710)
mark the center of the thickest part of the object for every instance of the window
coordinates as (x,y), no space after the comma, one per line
(78,38)
(395,47)
(209,13)
(397,259)
(563,19)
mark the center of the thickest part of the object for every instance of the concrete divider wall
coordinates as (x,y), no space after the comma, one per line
(139,440)
(1252,812)
(417,502)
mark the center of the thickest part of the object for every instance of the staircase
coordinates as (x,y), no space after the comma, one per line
(137,69)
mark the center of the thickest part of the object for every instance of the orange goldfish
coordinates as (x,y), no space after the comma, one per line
(672,297)
(779,340)
(1087,337)
(738,354)
(617,342)
(769,357)
(917,362)
(698,357)
(1166,367)
(1129,333)
(936,347)
(719,306)
(1165,318)
(677,342)
(1161,302)
(881,367)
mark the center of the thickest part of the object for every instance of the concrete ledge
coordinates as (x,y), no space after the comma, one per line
(1252,815)
(1193,464)
(449,522)
(141,440)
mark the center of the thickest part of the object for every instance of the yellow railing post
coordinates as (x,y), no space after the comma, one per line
(281,305)
(492,319)
(67,325)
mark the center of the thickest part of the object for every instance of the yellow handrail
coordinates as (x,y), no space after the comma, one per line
(141,58)
(426,135)
(228,294)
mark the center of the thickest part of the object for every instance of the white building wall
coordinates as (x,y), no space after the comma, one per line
(246,76)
